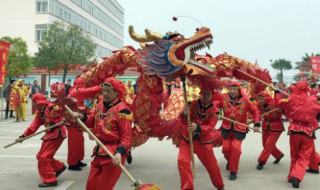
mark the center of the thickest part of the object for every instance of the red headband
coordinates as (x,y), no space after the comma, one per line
(116,85)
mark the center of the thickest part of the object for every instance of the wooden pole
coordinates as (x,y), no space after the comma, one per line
(233,121)
(183,79)
(35,134)
(269,112)
(135,182)
(261,81)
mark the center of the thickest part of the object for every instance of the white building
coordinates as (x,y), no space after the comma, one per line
(102,19)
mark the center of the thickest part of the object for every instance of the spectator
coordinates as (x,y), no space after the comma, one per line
(68,86)
(135,87)
(34,90)
(23,91)
(8,92)
(129,88)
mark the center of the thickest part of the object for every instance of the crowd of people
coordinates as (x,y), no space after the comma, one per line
(111,121)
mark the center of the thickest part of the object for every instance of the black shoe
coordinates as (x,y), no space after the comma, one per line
(81,164)
(62,170)
(227,167)
(11,116)
(74,168)
(295,182)
(129,158)
(260,166)
(6,117)
(233,176)
(278,159)
(48,184)
(312,171)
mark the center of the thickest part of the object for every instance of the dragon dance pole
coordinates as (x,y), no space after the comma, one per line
(136,183)
(183,79)
(261,81)
(35,134)
(233,121)
(269,112)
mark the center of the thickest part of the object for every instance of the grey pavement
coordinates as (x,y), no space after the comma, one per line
(154,162)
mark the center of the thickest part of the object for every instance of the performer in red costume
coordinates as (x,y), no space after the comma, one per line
(75,133)
(272,127)
(302,110)
(111,122)
(203,121)
(47,114)
(235,105)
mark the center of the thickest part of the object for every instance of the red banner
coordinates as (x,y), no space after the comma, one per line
(4,52)
(315,64)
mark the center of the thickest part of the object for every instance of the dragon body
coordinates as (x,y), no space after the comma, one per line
(165,57)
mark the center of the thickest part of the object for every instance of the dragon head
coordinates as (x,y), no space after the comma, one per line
(173,52)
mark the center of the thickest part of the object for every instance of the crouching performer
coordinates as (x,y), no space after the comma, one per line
(47,114)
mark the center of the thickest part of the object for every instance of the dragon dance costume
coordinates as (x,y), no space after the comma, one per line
(272,127)
(111,123)
(50,114)
(233,133)
(302,110)
(205,119)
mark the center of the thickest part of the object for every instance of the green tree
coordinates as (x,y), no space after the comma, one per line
(306,56)
(63,46)
(281,64)
(19,62)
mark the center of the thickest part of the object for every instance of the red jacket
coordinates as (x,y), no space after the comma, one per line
(301,108)
(271,121)
(204,117)
(112,125)
(238,111)
(49,115)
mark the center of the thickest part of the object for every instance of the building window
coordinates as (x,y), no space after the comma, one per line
(41,6)
(39,31)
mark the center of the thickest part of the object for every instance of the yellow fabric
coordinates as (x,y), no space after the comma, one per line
(21,112)
(129,90)
(224,90)
(193,93)
(125,116)
(24,91)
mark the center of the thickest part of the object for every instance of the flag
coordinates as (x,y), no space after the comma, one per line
(4,52)
(315,64)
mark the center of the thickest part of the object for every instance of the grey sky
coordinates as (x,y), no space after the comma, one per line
(248,29)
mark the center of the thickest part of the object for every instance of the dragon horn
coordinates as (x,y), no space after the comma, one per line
(150,36)
(143,45)
(153,35)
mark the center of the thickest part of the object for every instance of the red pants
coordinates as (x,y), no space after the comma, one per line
(75,146)
(47,165)
(103,174)
(207,158)
(314,159)
(301,147)
(231,149)
(269,140)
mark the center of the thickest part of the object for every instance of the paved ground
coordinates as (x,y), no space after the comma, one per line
(154,162)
